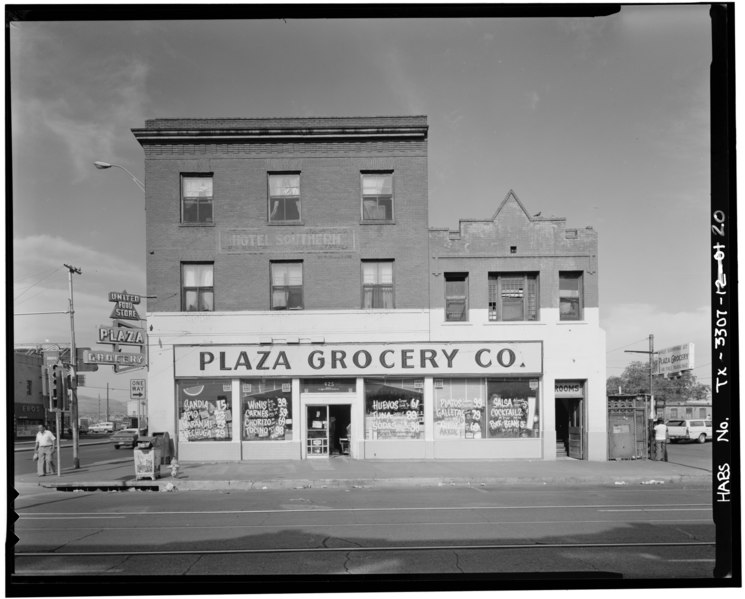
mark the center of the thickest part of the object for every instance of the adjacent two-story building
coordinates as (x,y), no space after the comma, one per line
(304,308)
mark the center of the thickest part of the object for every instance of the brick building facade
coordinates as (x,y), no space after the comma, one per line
(304,308)
(29,407)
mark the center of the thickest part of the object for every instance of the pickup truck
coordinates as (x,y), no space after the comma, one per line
(101,427)
(689,430)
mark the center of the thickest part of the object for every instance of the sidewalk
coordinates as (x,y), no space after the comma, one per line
(342,472)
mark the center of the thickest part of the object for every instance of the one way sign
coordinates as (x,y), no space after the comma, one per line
(136,388)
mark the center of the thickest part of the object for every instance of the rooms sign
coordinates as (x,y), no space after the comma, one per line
(404,359)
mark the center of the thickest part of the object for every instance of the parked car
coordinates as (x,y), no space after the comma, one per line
(125,437)
(689,430)
(101,427)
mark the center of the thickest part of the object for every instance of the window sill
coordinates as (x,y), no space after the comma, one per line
(370,221)
(515,322)
(449,323)
(190,225)
(285,223)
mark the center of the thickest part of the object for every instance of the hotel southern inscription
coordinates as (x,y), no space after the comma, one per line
(259,241)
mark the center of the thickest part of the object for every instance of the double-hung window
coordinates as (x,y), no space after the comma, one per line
(456,296)
(197,287)
(196,199)
(284,197)
(513,296)
(377,196)
(377,284)
(570,296)
(287,285)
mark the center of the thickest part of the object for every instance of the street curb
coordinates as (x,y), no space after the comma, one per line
(67,445)
(180,484)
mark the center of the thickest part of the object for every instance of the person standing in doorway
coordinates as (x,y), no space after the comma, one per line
(44,449)
(660,439)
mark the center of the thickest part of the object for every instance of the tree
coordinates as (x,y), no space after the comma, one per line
(635,379)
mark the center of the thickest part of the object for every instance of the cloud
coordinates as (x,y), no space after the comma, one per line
(41,284)
(533,99)
(82,100)
(628,326)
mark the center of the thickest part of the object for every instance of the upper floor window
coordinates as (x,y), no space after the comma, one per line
(284,197)
(456,296)
(377,284)
(287,285)
(377,196)
(197,287)
(513,296)
(196,199)
(570,296)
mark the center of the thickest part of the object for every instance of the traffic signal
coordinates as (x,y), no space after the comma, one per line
(57,390)
(54,386)
(44,381)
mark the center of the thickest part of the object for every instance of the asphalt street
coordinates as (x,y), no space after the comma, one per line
(637,532)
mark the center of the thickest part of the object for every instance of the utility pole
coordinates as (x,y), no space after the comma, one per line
(107,403)
(651,353)
(73,375)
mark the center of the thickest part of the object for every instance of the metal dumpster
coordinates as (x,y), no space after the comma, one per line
(147,459)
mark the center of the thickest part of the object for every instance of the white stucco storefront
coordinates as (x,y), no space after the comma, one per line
(277,395)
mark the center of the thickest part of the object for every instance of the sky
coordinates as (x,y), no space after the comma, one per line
(603,121)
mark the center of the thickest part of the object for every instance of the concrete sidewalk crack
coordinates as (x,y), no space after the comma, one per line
(457,562)
(194,563)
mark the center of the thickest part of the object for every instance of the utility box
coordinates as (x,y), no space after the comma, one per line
(147,459)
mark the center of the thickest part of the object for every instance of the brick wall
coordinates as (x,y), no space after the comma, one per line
(542,245)
(330,197)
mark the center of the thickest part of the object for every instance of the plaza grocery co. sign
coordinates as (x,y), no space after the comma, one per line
(404,359)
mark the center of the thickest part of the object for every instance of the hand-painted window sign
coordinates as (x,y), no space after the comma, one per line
(122,335)
(121,359)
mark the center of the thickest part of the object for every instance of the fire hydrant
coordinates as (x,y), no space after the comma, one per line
(174,468)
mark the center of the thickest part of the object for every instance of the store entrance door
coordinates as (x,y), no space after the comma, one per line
(317,433)
(569,429)
(327,430)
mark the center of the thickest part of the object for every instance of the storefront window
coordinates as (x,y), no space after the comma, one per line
(513,408)
(486,409)
(205,410)
(460,409)
(394,409)
(266,410)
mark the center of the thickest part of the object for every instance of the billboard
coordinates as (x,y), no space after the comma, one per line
(673,360)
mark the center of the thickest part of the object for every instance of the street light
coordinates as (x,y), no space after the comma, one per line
(104,165)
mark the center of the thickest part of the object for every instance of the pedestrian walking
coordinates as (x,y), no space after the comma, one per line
(660,439)
(44,450)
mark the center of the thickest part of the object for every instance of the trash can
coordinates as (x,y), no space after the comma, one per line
(162,441)
(147,459)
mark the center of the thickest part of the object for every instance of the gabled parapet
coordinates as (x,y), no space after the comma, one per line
(513,230)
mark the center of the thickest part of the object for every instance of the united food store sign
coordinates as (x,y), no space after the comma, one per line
(415,359)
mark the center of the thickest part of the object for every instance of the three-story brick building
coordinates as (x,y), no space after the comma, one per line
(304,308)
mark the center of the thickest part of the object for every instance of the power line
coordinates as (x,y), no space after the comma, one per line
(46,276)
(623,346)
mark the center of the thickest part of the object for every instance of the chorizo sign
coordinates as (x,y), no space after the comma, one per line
(436,359)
